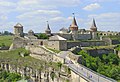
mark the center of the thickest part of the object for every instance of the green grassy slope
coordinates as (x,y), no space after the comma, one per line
(6,40)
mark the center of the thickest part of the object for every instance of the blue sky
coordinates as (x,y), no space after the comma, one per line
(33,14)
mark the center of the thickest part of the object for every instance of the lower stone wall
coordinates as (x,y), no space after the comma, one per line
(77,78)
(85,44)
(99,52)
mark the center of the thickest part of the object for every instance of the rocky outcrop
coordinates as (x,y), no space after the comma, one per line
(37,75)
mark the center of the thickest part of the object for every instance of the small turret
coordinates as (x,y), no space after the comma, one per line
(30,33)
(48,31)
(73,26)
(93,27)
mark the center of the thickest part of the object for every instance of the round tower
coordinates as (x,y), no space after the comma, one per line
(18,30)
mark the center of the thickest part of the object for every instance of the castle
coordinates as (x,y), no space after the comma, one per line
(64,39)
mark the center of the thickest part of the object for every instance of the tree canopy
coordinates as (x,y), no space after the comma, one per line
(108,65)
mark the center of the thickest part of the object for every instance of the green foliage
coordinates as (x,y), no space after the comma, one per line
(13,57)
(6,40)
(59,64)
(9,77)
(108,65)
(42,36)
(118,47)
(52,75)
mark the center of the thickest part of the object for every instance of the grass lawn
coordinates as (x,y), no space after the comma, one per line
(7,40)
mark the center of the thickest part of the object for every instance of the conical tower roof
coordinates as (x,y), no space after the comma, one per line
(93,27)
(74,23)
(48,27)
(74,26)
(93,24)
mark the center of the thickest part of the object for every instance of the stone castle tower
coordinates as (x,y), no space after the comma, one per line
(48,31)
(18,30)
(73,26)
(93,29)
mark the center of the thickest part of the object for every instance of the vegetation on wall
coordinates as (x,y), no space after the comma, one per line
(41,36)
(108,65)
(9,77)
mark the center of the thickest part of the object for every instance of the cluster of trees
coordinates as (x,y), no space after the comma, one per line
(108,65)
(6,33)
(9,77)
(41,36)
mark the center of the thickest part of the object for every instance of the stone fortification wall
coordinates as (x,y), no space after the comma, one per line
(84,36)
(85,44)
(18,42)
(66,36)
(109,41)
(99,52)
(78,36)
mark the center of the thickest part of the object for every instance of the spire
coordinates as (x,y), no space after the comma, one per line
(74,23)
(48,31)
(48,27)
(93,27)
(93,24)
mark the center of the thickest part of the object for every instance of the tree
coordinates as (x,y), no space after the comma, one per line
(42,36)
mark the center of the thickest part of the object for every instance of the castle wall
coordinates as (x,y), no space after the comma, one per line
(109,41)
(78,36)
(85,44)
(99,52)
(18,42)
(84,37)
(66,36)
(76,78)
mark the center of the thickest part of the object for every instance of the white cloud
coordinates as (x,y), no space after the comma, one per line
(3,17)
(39,13)
(91,7)
(6,6)
(29,5)
(107,21)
